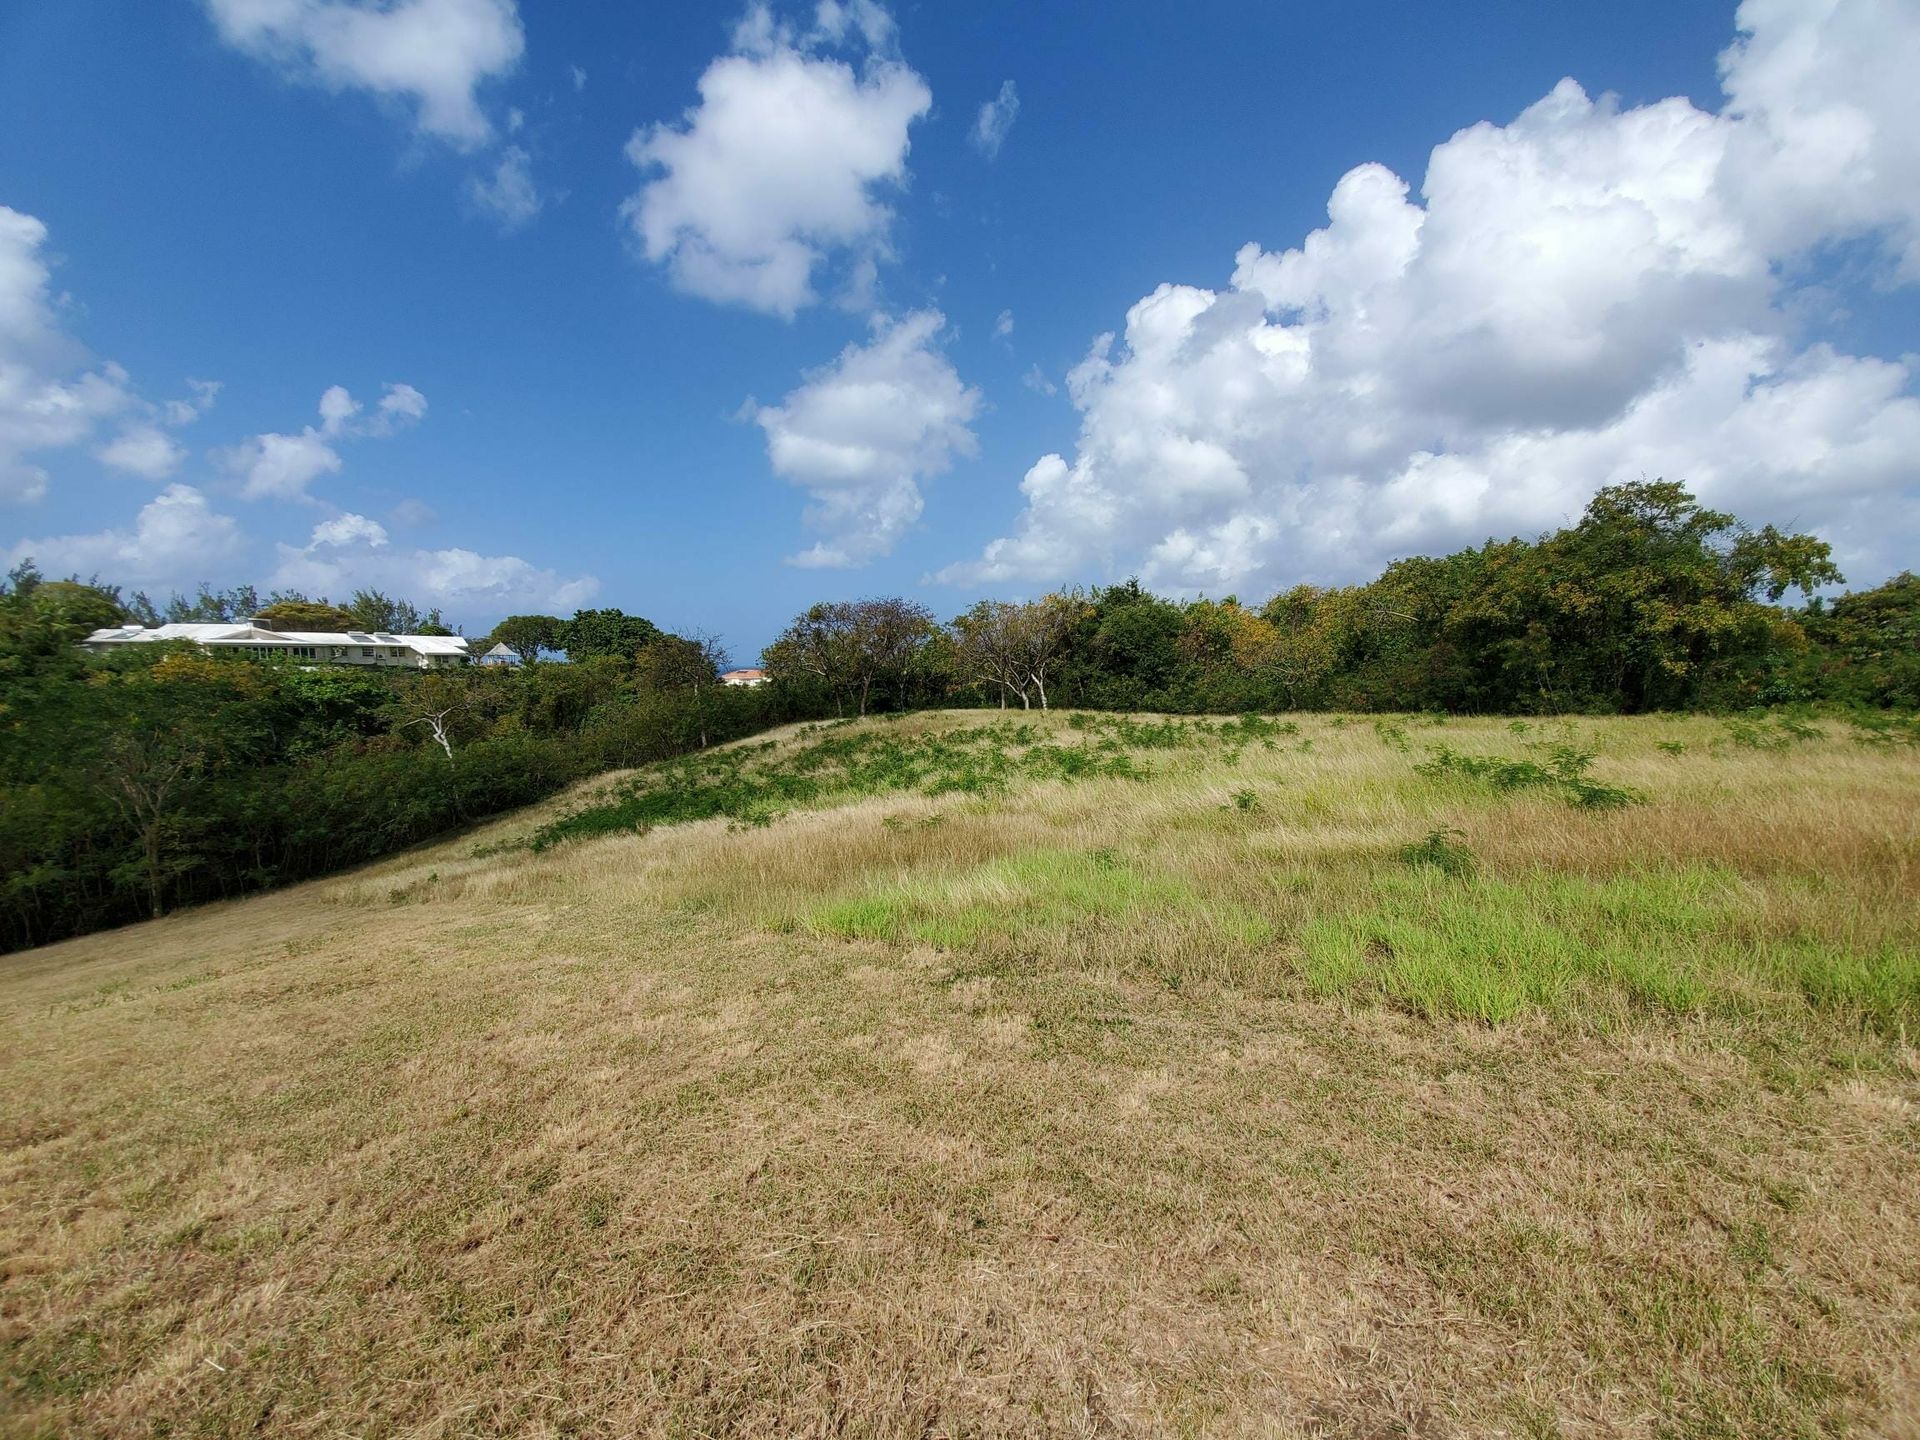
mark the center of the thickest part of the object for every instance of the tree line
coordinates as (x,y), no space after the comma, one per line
(163,774)
(1649,601)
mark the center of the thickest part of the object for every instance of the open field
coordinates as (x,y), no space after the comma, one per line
(942,1076)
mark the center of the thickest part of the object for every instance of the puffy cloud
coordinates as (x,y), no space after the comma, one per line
(782,162)
(349,529)
(509,194)
(281,467)
(337,409)
(177,540)
(1003,325)
(51,396)
(1828,143)
(836,22)
(399,407)
(351,552)
(995,119)
(862,433)
(1586,295)
(143,450)
(433,54)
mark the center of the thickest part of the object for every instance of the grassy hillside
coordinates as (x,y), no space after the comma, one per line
(1059,1075)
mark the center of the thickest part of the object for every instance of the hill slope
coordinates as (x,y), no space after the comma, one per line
(1063,1074)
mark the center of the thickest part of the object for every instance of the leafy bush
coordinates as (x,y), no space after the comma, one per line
(755,787)
(1565,770)
(1443,849)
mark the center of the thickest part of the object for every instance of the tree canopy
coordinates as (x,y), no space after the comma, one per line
(606,632)
(526,635)
(306,615)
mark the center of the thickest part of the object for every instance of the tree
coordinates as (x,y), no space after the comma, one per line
(432,702)
(887,634)
(210,606)
(606,632)
(1016,647)
(73,608)
(849,645)
(20,581)
(1127,653)
(1042,630)
(166,725)
(306,615)
(1866,646)
(985,650)
(684,663)
(147,772)
(527,635)
(372,610)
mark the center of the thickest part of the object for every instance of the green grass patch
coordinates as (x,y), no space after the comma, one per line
(754,785)
(1022,899)
(1677,940)
(841,761)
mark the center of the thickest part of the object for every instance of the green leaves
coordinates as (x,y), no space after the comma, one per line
(1565,770)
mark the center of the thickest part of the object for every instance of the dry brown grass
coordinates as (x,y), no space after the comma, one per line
(625,1138)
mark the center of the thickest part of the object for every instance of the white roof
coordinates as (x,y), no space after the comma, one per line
(201,633)
(247,634)
(436,644)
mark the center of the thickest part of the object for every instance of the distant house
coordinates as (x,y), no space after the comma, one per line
(499,655)
(744,677)
(325,647)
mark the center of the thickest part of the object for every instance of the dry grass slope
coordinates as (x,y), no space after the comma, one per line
(1228,1100)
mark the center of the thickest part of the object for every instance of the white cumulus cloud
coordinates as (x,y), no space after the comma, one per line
(995,119)
(52,395)
(351,552)
(1586,295)
(177,540)
(861,434)
(143,450)
(783,163)
(431,54)
(349,529)
(281,466)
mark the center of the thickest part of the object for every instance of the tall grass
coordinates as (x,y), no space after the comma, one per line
(1317,859)
(756,784)
(1061,1075)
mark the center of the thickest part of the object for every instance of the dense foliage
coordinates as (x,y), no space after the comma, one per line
(1648,602)
(163,774)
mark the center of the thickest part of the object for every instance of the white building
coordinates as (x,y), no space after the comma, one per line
(327,647)
(744,677)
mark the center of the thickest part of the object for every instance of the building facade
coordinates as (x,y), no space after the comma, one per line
(314,647)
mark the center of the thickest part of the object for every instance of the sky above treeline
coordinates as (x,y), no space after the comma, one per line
(712,312)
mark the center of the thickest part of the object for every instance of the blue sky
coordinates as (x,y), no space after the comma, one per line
(706,330)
